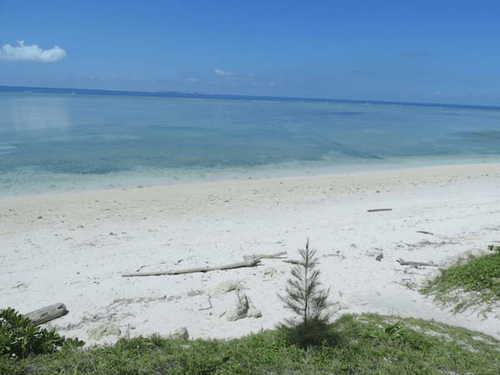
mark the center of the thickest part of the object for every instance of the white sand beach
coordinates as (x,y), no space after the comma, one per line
(74,247)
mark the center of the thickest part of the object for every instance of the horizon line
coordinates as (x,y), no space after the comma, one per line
(198,95)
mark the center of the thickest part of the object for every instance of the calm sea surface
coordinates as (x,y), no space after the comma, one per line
(52,142)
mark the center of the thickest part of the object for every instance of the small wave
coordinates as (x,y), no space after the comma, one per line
(93,138)
(481,135)
(7,147)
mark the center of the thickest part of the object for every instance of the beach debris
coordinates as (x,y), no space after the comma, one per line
(279,255)
(128,301)
(425,232)
(379,209)
(415,264)
(180,334)
(426,243)
(338,253)
(148,265)
(174,298)
(209,306)
(20,285)
(244,309)
(106,329)
(225,287)
(379,257)
(141,267)
(48,313)
(248,261)
(270,273)
(194,293)
(330,255)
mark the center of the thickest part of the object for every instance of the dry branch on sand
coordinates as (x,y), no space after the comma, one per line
(248,261)
(415,264)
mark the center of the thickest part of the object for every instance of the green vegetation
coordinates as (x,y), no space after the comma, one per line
(369,344)
(309,302)
(477,276)
(20,338)
(353,344)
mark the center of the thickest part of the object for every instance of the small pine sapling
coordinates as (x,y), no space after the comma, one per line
(308,301)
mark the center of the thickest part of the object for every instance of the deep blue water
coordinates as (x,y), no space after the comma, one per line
(53,141)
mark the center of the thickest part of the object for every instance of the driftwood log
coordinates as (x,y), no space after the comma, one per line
(415,264)
(48,313)
(253,262)
(379,209)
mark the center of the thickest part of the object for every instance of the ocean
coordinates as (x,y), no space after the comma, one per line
(65,140)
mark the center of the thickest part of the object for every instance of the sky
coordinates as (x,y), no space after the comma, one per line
(419,51)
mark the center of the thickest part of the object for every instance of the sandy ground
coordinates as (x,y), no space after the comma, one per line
(73,248)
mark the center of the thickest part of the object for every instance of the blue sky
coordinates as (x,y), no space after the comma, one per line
(428,51)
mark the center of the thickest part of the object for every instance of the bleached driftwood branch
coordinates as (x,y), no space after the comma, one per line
(246,263)
(279,255)
(48,313)
(415,264)
(379,209)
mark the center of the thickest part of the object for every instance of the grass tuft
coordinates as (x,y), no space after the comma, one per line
(477,276)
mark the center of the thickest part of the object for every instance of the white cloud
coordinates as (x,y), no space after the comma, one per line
(23,52)
(237,76)
(223,73)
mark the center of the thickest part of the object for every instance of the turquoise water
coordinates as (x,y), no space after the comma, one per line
(65,142)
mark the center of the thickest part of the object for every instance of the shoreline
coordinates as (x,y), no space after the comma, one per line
(73,247)
(271,173)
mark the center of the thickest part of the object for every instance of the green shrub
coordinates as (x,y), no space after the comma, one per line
(20,338)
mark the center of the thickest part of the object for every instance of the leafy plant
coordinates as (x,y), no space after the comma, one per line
(308,301)
(478,276)
(20,337)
